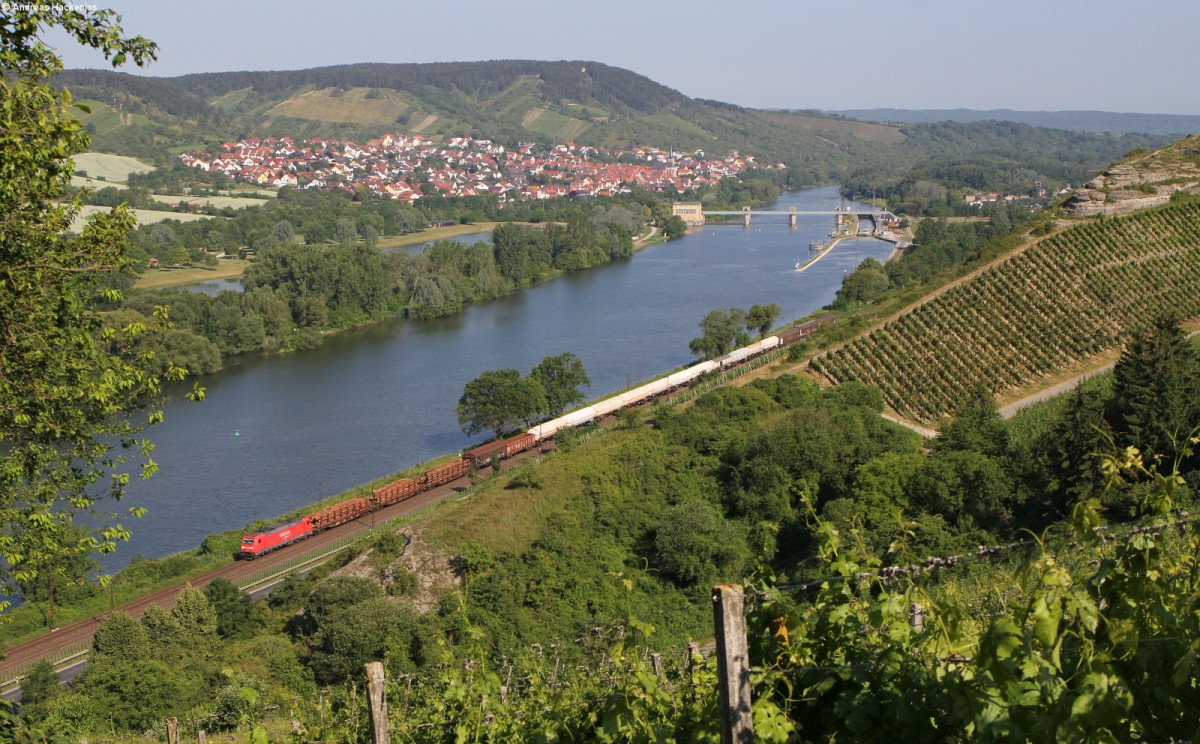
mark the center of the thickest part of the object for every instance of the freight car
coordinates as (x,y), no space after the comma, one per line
(444,473)
(805,329)
(486,454)
(395,492)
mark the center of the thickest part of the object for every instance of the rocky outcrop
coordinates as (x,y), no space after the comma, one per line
(1141,182)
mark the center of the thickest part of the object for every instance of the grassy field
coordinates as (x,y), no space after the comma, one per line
(227,268)
(351,106)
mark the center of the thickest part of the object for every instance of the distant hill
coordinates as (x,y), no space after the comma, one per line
(1176,125)
(513,101)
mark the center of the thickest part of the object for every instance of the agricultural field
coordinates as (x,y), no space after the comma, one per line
(671,121)
(104,169)
(220,202)
(231,100)
(522,95)
(1059,304)
(104,118)
(144,216)
(881,133)
(553,124)
(352,105)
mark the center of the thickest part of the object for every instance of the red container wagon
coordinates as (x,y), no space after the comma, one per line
(340,513)
(482,456)
(275,537)
(395,492)
(444,473)
(519,443)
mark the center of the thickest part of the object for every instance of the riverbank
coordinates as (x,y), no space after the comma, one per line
(233,268)
(434,233)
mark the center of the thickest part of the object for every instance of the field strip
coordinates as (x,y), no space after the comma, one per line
(425,123)
(531,116)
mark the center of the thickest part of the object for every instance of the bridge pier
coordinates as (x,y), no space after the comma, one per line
(745,216)
(792,217)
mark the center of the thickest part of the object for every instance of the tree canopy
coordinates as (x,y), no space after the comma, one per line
(69,399)
(560,377)
(722,331)
(498,400)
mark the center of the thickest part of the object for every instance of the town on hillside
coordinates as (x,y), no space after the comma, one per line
(408,167)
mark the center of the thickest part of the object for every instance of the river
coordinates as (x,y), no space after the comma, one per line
(278,432)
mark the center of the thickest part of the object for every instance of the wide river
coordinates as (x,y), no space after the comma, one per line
(278,432)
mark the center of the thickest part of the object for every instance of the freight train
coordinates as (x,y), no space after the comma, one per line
(479,457)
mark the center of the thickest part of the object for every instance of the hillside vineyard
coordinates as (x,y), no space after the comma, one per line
(1066,299)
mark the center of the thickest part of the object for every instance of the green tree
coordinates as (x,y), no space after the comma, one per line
(865,284)
(345,231)
(1156,390)
(67,403)
(233,607)
(163,633)
(695,545)
(975,427)
(162,235)
(675,227)
(409,220)
(39,686)
(761,317)
(1070,452)
(560,377)
(284,233)
(722,332)
(119,638)
(62,561)
(498,400)
(370,630)
(197,619)
(134,695)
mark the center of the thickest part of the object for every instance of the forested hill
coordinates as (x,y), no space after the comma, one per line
(579,82)
(512,101)
(1086,121)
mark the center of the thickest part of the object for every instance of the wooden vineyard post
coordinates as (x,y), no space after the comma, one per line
(172,730)
(377,702)
(733,664)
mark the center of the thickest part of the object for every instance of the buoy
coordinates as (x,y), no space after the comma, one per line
(237,432)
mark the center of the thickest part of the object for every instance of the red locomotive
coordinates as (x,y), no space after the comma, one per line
(276,537)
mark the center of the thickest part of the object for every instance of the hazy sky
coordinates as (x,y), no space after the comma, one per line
(1108,55)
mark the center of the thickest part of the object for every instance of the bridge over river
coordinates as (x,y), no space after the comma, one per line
(694,214)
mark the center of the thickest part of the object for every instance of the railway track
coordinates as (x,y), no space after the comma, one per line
(58,644)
